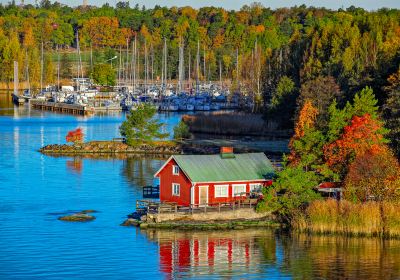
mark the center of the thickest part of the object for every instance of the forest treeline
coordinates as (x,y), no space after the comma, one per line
(282,57)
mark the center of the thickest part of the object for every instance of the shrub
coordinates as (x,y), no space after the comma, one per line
(181,131)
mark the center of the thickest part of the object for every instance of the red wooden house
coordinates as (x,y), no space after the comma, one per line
(211,179)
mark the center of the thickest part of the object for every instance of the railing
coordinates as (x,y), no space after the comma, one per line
(151,192)
(171,207)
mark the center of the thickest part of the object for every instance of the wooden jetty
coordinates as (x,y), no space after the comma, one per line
(74,109)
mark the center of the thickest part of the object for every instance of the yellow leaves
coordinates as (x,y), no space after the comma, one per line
(103,31)
(307,117)
(218,40)
(189,12)
(392,43)
(394,81)
(158,14)
(144,31)
(243,17)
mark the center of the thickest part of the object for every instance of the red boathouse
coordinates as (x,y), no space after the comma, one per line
(210,179)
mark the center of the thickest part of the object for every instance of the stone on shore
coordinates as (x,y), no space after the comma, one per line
(79,217)
(130,223)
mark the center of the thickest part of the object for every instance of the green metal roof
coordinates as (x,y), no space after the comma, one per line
(214,168)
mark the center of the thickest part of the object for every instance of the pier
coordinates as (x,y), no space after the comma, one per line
(74,109)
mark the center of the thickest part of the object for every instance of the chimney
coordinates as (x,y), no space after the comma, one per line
(227,152)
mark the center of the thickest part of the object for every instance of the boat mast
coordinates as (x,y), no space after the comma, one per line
(58,68)
(119,67)
(27,72)
(152,63)
(138,64)
(237,69)
(220,74)
(146,67)
(16,79)
(189,81)
(204,63)
(79,56)
(127,64)
(165,65)
(181,65)
(197,66)
(134,64)
(41,67)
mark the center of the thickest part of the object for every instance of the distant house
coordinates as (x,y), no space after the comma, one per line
(210,179)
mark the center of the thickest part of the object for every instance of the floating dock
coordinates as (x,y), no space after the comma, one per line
(74,109)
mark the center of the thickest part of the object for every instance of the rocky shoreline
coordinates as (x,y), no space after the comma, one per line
(203,225)
(118,148)
(110,147)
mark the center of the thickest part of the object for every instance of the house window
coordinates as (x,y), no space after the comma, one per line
(239,190)
(175,169)
(221,191)
(256,187)
(176,189)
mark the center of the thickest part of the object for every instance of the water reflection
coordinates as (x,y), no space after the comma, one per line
(75,165)
(265,253)
(215,254)
(328,257)
(139,171)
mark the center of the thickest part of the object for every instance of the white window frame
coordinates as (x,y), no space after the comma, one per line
(256,187)
(218,194)
(175,170)
(235,193)
(173,189)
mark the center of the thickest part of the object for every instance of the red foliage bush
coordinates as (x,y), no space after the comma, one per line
(75,136)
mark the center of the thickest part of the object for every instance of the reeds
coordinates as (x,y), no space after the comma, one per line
(346,218)
(222,123)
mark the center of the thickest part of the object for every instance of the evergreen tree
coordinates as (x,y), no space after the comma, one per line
(141,127)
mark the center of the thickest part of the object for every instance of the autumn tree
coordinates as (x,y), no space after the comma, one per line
(373,175)
(307,142)
(322,91)
(391,110)
(363,134)
(75,136)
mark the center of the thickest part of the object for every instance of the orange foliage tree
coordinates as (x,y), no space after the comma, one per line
(361,135)
(75,136)
(305,123)
(373,175)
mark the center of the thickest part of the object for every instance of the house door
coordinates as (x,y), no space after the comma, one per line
(203,195)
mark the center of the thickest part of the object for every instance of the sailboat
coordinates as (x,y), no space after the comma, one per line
(27,92)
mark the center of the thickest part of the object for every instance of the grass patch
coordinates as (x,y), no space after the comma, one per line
(352,219)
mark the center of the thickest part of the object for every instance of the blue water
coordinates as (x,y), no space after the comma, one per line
(36,189)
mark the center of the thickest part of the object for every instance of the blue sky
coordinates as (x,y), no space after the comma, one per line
(236,4)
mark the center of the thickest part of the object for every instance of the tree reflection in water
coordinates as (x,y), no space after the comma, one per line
(75,165)
(265,253)
(139,170)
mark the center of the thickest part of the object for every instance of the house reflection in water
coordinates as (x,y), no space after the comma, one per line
(196,254)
